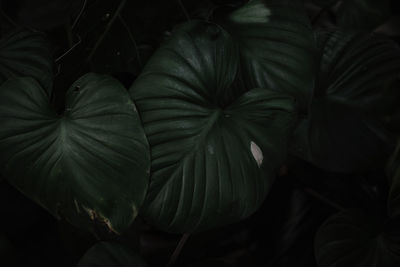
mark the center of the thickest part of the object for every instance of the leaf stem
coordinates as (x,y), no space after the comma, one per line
(178,250)
(69,50)
(80,14)
(323,199)
(9,20)
(132,40)
(184,10)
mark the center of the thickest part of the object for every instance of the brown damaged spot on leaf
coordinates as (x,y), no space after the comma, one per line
(100,218)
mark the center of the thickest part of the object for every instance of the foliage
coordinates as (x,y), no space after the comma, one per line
(199,133)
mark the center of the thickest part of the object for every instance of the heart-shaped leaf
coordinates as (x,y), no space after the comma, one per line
(26,53)
(357,239)
(344,131)
(111,254)
(90,162)
(276,46)
(214,146)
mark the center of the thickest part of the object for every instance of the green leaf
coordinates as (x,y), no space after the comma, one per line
(344,130)
(26,53)
(276,46)
(91,162)
(215,146)
(362,14)
(358,239)
(111,254)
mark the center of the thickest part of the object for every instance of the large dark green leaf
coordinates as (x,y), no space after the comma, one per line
(91,162)
(356,239)
(214,146)
(344,131)
(26,53)
(276,46)
(111,254)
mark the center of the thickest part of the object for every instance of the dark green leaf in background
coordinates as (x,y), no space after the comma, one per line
(26,53)
(362,14)
(91,162)
(111,254)
(214,147)
(276,46)
(358,239)
(345,131)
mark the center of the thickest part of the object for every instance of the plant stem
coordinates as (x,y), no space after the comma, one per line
(79,15)
(69,50)
(132,40)
(323,199)
(9,20)
(184,10)
(108,27)
(178,250)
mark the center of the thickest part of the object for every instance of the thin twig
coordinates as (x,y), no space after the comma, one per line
(12,22)
(323,199)
(69,50)
(108,27)
(178,250)
(132,40)
(79,15)
(184,10)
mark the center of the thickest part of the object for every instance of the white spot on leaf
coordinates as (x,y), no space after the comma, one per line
(257,153)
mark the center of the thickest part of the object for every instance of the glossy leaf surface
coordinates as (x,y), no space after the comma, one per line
(26,53)
(276,46)
(215,145)
(91,162)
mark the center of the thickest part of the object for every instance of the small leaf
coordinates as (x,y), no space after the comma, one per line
(276,46)
(111,254)
(344,131)
(215,145)
(26,53)
(91,162)
(358,239)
